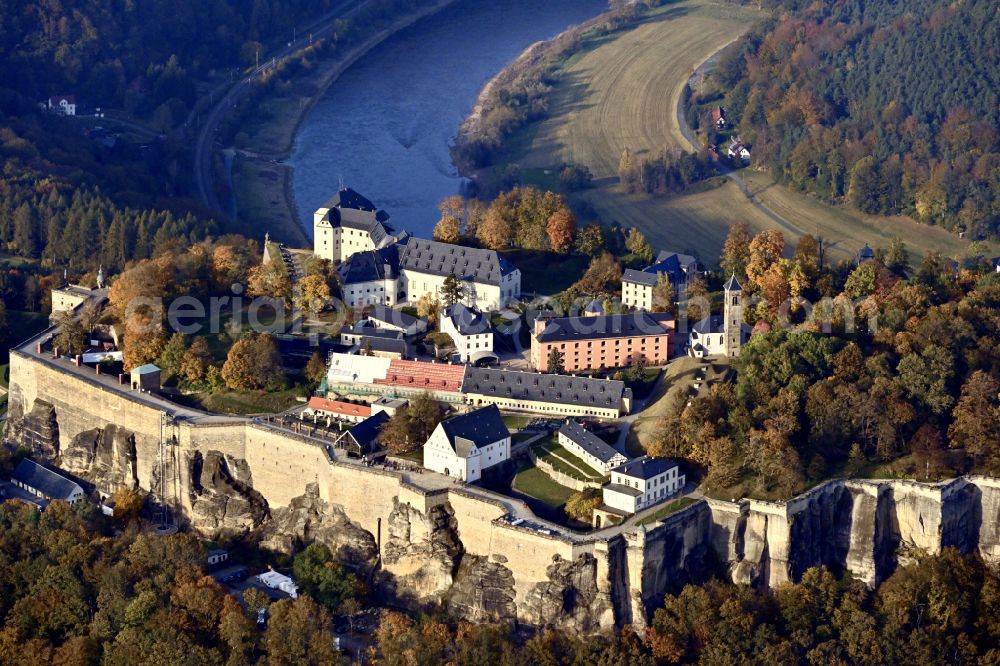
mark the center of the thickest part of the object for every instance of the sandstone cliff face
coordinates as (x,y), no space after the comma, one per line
(37,429)
(421,552)
(569,599)
(483,590)
(104,456)
(309,518)
(221,494)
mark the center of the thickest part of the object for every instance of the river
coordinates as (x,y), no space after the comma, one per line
(385,125)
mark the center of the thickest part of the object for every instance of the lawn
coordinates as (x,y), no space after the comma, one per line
(624,91)
(516,422)
(556,455)
(536,483)
(667,509)
(259,188)
(244,402)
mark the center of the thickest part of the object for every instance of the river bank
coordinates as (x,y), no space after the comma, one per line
(261,178)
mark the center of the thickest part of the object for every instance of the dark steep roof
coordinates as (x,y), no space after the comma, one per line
(348,198)
(370,266)
(670,263)
(366,433)
(466,320)
(468,264)
(588,441)
(538,387)
(645,467)
(604,326)
(49,483)
(733,284)
(477,428)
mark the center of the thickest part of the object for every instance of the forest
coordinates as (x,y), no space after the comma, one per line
(80,590)
(871,370)
(892,107)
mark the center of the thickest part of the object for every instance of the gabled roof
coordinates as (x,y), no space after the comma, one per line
(645,467)
(588,441)
(468,264)
(339,407)
(733,284)
(475,429)
(672,264)
(50,484)
(371,266)
(538,387)
(382,344)
(466,320)
(56,99)
(366,433)
(348,198)
(398,318)
(605,326)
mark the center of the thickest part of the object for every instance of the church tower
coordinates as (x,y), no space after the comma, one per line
(732,325)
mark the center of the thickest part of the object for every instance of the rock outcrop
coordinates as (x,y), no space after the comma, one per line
(308,518)
(421,552)
(483,590)
(223,501)
(104,456)
(37,429)
(569,599)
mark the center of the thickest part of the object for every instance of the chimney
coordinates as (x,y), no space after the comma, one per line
(77,359)
(121,378)
(97,368)
(55,352)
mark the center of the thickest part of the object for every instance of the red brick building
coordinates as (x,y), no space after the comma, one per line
(609,341)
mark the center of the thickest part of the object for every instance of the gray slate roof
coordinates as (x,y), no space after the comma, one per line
(467,263)
(670,263)
(383,344)
(398,318)
(50,484)
(604,326)
(366,433)
(371,265)
(588,441)
(466,320)
(538,387)
(645,467)
(475,429)
(351,210)
(733,284)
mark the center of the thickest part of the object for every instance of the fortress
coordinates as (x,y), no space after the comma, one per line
(482,555)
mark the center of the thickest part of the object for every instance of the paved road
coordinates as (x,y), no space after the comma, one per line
(230,94)
(726,171)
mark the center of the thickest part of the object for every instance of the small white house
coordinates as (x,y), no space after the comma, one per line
(738,149)
(642,482)
(63,104)
(465,445)
(589,447)
(277,581)
(45,484)
(469,330)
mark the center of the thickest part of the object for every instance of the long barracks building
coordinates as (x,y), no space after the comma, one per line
(557,395)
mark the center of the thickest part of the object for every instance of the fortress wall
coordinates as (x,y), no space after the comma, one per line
(283,465)
(227,438)
(81,405)
(366,495)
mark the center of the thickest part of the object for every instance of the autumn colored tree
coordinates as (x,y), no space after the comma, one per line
(128,504)
(976,420)
(604,274)
(765,249)
(590,240)
(324,578)
(253,363)
(144,341)
(315,370)
(448,229)
(314,294)
(194,364)
(664,297)
(299,632)
(230,264)
(561,228)
(429,308)
(139,287)
(736,251)
(581,505)
(495,232)
(637,244)
(269,280)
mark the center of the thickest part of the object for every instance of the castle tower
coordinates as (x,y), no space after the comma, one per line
(732,324)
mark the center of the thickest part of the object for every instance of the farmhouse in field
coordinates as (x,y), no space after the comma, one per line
(463,446)
(719,117)
(738,149)
(589,447)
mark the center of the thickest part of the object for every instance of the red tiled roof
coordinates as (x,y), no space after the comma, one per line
(432,376)
(338,407)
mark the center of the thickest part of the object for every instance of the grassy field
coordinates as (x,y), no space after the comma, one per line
(244,402)
(624,91)
(563,461)
(546,272)
(533,481)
